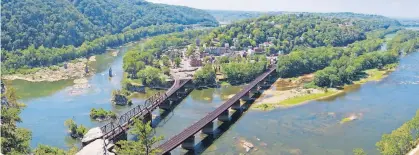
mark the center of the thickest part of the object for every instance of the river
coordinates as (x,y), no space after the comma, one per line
(312,128)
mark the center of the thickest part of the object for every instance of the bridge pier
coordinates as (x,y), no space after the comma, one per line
(271,77)
(223,117)
(173,98)
(246,97)
(208,129)
(236,105)
(189,143)
(181,91)
(165,105)
(147,118)
(255,89)
(265,84)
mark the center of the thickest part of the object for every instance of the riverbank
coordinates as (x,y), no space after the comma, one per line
(75,70)
(290,92)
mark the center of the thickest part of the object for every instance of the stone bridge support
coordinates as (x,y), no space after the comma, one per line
(165,105)
(173,98)
(271,77)
(147,118)
(223,117)
(236,105)
(265,84)
(255,89)
(208,129)
(181,91)
(189,143)
(246,97)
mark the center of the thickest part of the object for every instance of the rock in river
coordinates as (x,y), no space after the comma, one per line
(96,148)
(92,135)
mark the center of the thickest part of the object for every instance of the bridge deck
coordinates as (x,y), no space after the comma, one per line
(116,127)
(197,126)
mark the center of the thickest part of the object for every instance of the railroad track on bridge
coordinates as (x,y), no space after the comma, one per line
(176,140)
(121,124)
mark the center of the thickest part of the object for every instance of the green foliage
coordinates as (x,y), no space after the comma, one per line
(405,41)
(151,76)
(166,61)
(101,113)
(359,151)
(142,62)
(190,50)
(292,31)
(61,22)
(41,56)
(401,140)
(48,23)
(243,71)
(144,133)
(177,61)
(346,69)
(231,16)
(76,131)
(117,16)
(309,60)
(14,140)
(205,76)
(48,150)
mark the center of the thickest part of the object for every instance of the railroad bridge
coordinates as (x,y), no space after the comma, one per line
(117,128)
(187,137)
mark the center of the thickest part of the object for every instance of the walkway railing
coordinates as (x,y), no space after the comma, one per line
(197,126)
(119,125)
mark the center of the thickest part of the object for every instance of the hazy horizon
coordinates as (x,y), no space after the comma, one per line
(389,8)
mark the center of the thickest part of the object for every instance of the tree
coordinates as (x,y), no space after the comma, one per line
(359,151)
(401,140)
(75,130)
(14,140)
(48,150)
(177,61)
(190,50)
(151,76)
(205,75)
(144,133)
(166,61)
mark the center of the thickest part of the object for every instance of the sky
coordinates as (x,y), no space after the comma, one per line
(390,8)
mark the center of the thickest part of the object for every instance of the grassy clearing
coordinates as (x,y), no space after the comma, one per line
(265,106)
(304,98)
(295,100)
(377,74)
(225,83)
(345,120)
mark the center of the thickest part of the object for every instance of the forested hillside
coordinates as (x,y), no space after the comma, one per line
(118,15)
(288,32)
(231,16)
(55,23)
(51,23)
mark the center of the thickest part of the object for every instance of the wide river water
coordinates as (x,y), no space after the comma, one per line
(312,128)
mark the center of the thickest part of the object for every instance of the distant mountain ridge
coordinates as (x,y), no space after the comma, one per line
(56,23)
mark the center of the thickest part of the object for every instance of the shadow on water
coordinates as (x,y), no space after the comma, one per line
(222,128)
(165,113)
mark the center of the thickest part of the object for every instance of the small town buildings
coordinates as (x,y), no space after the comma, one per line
(217,51)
